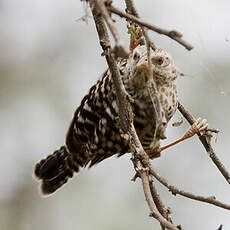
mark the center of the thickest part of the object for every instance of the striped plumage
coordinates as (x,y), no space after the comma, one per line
(94,133)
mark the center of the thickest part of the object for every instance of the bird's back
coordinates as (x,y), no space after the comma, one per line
(95,133)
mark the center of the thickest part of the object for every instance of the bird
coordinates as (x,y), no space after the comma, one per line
(95,134)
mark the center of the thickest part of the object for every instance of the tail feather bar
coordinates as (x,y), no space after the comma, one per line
(55,170)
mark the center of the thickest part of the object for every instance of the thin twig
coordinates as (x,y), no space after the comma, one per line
(175,191)
(140,157)
(151,87)
(165,212)
(205,140)
(154,211)
(173,34)
(119,49)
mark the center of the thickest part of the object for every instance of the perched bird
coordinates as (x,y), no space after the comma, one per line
(94,133)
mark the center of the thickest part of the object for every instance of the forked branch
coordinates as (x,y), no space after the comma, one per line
(125,114)
(173,34)
(101,10)
(211,199)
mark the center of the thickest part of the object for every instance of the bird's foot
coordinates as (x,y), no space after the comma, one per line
(198,127)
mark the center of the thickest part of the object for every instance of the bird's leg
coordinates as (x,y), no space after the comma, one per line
(198,126)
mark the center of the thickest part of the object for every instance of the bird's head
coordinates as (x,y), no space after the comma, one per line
(163,68)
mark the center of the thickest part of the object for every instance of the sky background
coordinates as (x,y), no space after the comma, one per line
(49,60)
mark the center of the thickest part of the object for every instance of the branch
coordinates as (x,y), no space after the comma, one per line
(205,140)
(151,87)
(175,190)
(165,212)
(173,34)
(119,49)
(153,92)
(125,113)
(140,158)
(154,211)
(130,8)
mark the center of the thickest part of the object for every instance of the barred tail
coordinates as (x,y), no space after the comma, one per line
(55,170)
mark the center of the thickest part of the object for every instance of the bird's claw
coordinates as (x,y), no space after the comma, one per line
(199,126)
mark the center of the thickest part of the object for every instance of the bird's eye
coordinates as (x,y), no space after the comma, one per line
(158,60)
(136,56)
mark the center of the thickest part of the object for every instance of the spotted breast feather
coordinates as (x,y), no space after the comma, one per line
(94,133)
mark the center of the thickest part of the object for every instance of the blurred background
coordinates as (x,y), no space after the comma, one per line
(48,61)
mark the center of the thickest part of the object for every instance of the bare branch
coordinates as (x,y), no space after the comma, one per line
(173,34)
(165,212)
(130,8)
(175,190)
(205,140)
(152,88)
(119,49)
(154,211)
(139,153)
(126,116)
(140,158)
